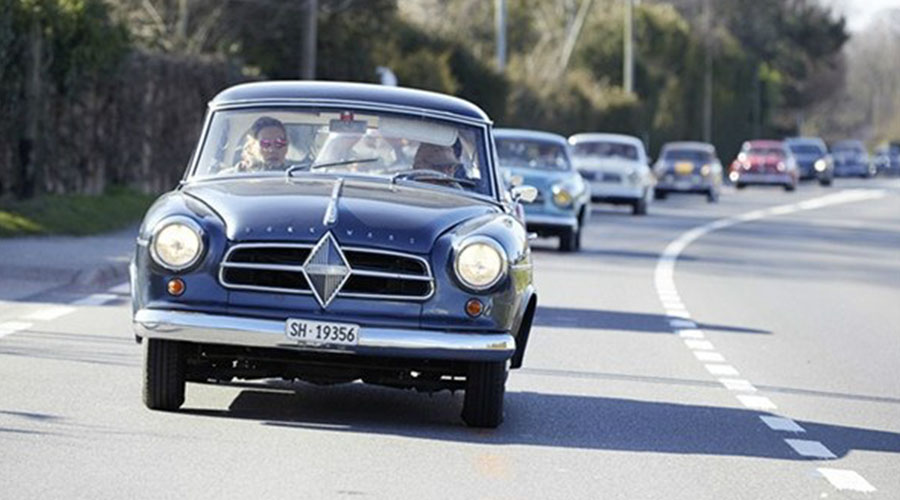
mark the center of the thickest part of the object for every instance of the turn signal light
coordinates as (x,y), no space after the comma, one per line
(474,308)
(175,286)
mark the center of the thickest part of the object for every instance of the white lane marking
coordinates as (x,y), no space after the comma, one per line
(737,384)
(49,313)
(664,280)
(690,333)
(708,356)
(721,369)
(10,327)
(121,289)
(846,480)
(756,402)
(702,345)
(96,299)
(781,424)
(682,323)
(808,448)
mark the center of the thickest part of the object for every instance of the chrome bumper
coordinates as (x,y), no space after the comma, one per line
(568,221)
(373,341)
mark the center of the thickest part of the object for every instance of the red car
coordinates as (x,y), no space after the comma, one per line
(764,162)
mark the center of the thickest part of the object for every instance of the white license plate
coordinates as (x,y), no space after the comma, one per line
(321,333)
(682,185)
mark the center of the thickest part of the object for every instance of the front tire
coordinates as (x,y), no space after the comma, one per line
(568,240)
(790,187)
(712,196)
(485,390)
(164,378)
(825,182)
(639,207)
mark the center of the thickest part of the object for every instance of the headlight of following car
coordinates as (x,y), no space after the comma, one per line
(481,263)
(634,177)
(562,197)
(820,165)
(705,170)
(177,243)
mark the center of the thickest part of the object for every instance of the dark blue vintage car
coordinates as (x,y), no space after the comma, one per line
(333,232)
(541,160)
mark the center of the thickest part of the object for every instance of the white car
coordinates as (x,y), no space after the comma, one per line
(616,167)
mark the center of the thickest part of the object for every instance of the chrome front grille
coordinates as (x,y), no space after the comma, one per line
(281,268)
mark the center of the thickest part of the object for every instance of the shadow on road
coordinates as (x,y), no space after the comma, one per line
(598,319)
(553,420)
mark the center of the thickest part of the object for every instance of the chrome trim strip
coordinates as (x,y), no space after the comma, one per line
(225,264)
(373,341)
(331,212)
(396,276)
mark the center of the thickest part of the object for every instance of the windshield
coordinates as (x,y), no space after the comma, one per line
(605,149)
(806,149)
(532,154)
(765,152)
(360,143)
(693,155)
(848,147)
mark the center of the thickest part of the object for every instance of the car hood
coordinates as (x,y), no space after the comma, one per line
(397,217)
(621,166)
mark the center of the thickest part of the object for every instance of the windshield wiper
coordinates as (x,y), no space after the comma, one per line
(312,166)
(431,175)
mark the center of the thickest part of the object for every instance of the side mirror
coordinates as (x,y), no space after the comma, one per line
(524,194)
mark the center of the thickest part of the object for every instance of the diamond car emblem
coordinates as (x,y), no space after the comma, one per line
(326,269)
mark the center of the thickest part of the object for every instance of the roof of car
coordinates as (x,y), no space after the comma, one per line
(588,137)
(535,135)
(765,143)
(336,92)
(804,140)
(703,146)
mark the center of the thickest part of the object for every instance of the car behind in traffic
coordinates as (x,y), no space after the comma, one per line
(764,162)
(887,158)
(616,167)
(541,160)
(813,159)
(851,159)
(688,167)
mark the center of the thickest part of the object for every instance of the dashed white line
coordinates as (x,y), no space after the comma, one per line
(49,313)
(756,402)
(812,449)
(781,424)
(10,327)
(721,369)
(690,333)
(96,299)
(846,480)
(679,320)
(737,384)
(709,356)
(702,345)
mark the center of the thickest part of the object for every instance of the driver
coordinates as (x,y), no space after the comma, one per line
(266,147)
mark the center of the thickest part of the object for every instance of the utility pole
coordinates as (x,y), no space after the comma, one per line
(308,44)
(628,63)
(707,71)
(500,18)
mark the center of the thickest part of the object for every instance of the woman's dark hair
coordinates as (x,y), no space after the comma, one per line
(266,122)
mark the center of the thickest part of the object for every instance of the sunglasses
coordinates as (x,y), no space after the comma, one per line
(273,143)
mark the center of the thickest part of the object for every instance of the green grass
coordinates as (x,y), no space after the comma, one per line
(72,214)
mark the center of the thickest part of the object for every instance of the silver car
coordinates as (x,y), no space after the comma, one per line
(616,168)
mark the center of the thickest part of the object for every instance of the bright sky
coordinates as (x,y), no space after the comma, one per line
(860,13)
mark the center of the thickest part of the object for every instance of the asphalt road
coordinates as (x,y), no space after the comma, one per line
(656,351)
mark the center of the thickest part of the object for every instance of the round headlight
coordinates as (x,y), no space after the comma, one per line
(820,165)
(705,170)
(561,196)
(480,264)
(177,244)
